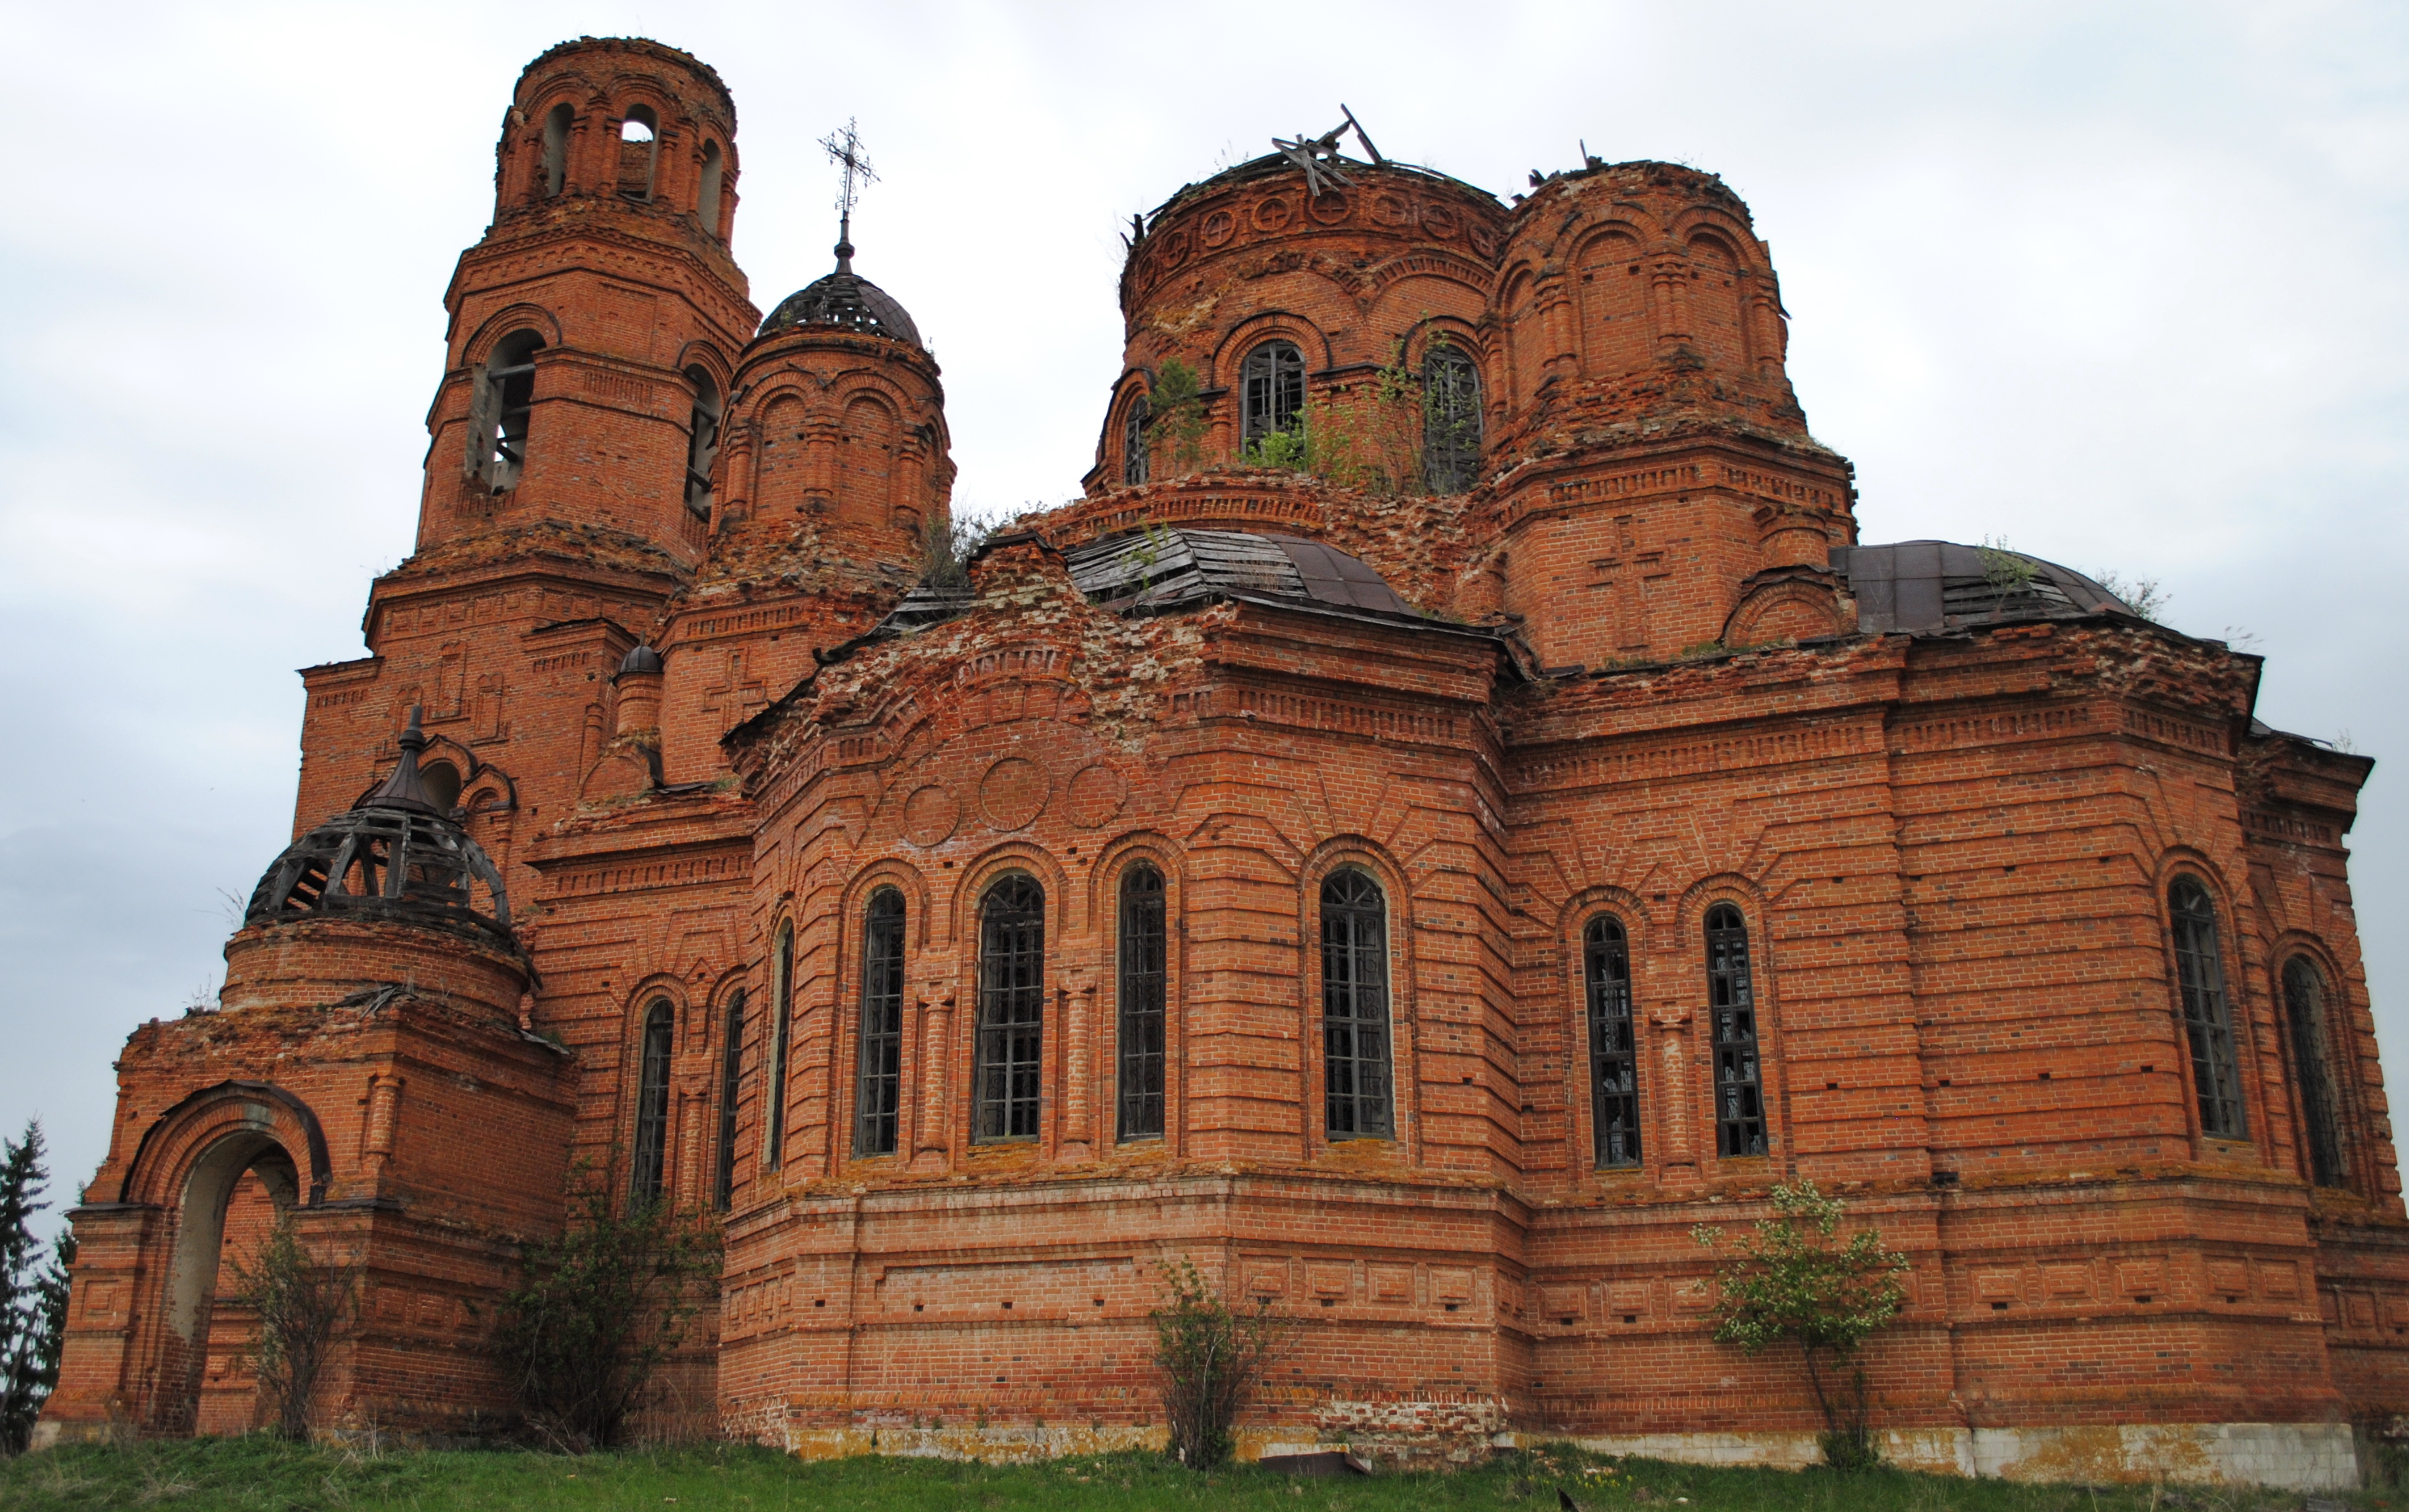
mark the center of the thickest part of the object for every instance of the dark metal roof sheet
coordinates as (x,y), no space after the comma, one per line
(1159,569)
(1929,588)
(847,299)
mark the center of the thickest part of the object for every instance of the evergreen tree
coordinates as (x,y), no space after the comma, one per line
(33,1290)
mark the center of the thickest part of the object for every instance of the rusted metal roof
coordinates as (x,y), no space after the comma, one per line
(1931,587)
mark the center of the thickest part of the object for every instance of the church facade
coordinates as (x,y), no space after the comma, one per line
(1451,807)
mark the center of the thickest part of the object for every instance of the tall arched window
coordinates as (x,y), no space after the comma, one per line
(638,152)
(653,1103)
(1613,1054)
(1731,996)
(1271,390)
(500,408)
(782,1004)
(732,1080)
(878,1078)
(1134,458)
(706,199)
(555,148)
(1450,418)
(2199,972)
(1012,1009)
(1143,960)
(702,441)
(2304,1007)
(1355,1007)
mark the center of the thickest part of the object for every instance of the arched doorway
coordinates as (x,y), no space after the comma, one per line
(231,1200)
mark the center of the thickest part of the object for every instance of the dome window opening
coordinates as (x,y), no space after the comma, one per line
(1450,419)
(639,154)
(1133,439)
(702,441)
(501,410)
(1270,391)
(555,148)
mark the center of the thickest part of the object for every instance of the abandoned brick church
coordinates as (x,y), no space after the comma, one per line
(1418,881)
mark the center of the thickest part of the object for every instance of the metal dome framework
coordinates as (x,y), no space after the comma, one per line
(843,298)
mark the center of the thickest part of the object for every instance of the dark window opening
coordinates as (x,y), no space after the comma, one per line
(1450,419)
(555,148)
(878,1084)
(1144,959)
(1354,1007)
(732,1080)
(2304,1005)
(706,199)
(2200,971)
(702,441)
(1740,1096)
(1012,1009)
(441,780)
(1133,439)
(1271,390)
(1614,1054)
(782,1003)
(638,152)
(499,409)
(653,1105)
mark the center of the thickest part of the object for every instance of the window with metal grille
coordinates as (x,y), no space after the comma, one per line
(500,405)
(1134,457)
(878,1081)
(702,441)
(1613,1054)
(652,1104)
(781,1003)
(1012,1009)
(1450,419)
(2199,972)
(1731,998)
(1271,388)
(1354,1007)
(2304,1005)
(732,1080)
(1142,952)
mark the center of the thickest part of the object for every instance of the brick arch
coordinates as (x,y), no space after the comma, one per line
(983,870)
(703,354)
(162,1161)
(517,316)
(1791,611)
(1256,329)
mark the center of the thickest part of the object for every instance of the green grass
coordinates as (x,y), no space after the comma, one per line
(260,1475)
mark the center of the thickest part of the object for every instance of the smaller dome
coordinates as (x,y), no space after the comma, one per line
(843,298)
(639,659)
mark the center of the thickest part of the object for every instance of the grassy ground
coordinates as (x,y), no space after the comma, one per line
(260,1474)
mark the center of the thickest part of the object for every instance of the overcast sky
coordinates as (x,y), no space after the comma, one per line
(2122,284)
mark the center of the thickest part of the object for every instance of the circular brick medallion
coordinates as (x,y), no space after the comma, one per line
(1484,241)
(1273,213)
(1220,226)
(1438,221)
(1013,792)
(1330,208)
(1389,209)
(929,815)
(1097,793)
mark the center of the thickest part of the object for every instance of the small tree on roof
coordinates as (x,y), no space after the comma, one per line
(1795,1280)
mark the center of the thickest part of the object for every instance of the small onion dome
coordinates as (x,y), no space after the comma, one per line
(640,658)
(394,856)
(843,298)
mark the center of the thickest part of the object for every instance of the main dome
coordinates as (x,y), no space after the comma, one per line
(842,298)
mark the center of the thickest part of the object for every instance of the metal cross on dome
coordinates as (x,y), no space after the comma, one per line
(844,148)
(1319,155)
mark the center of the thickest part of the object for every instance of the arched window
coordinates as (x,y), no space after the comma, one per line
(441,780)
(731,1079)
(1354,1007)
(702,441)
(1450,418)
(653,1103)
(2304,1007)
(1012,1009)
(1143,959)
(1134,457)
(555,148)
(1271,390)
(2200,971)
(638,151)
(499,409)
(1731,996)
(706,199)
(1613,1054)
(878,1079)
(781,1003)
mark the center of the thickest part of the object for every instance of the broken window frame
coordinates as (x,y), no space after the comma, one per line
(649,1168)
(1008,1078)
(2305,996)
(1450,418)
(782,998)
(878,1059)
(731,1082)
(702,441)
(1614,1051)
(2207,1013)
(1731,1002)
(501,410)
(1135,465)
(1356,1074)
(1271,390)
(1141,1038)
